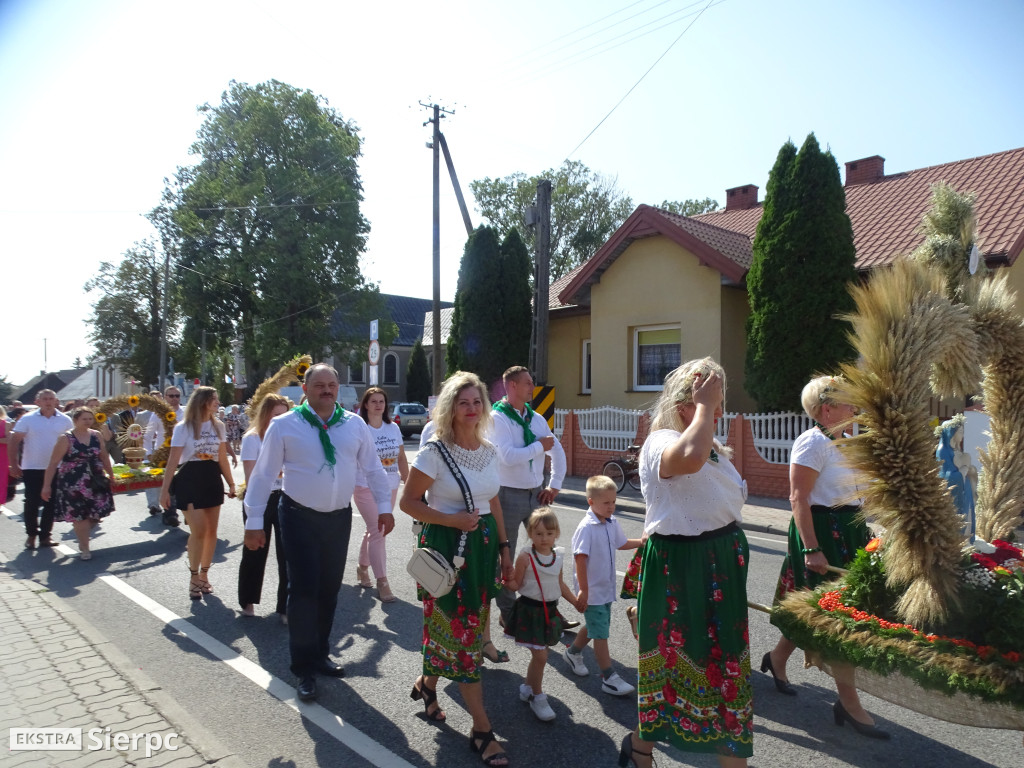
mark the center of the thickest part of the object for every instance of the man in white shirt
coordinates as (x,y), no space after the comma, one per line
(153,439)
(523,439)
(318,447)
(39,432)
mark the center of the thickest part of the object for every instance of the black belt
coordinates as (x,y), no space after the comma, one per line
(723,531)
(285,498)
(538,603)
(821,509)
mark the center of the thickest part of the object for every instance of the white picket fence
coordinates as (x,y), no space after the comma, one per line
(613,429)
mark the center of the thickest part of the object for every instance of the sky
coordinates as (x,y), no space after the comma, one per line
(99,105)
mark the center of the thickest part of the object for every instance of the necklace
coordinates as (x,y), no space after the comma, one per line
(540,562)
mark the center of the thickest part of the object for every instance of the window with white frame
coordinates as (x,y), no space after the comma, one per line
(585,367)
(656,353)
(390,368)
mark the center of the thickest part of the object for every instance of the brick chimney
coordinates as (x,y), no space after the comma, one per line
(865,171)
(740,198)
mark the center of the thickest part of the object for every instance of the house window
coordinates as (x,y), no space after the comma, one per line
(390,368)
(585,366)
(355,373)
(656,353)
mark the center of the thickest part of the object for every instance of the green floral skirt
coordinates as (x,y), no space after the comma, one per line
(530,626)
(453,625)
(694,659)
(840,533)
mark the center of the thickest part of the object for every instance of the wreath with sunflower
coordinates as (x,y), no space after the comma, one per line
(292,372)
(154,403)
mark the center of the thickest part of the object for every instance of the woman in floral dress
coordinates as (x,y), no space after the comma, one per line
(81,493)
(694,659)
(454,625)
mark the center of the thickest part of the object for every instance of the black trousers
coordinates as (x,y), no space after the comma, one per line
(315,548)
(36,525)
(254,562)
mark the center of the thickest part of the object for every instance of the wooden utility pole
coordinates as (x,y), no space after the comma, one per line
(541,284)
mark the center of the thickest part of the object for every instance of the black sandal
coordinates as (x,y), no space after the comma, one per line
(429,696)
(499,657)
(204,583)
(627,751)
(195,586)
(485,738)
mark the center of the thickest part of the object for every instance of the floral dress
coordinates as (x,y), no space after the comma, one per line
(233,423)
(74,496)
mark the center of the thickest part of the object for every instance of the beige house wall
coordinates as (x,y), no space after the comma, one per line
(654,282)
(735,310)
(1016,282)
(566,335)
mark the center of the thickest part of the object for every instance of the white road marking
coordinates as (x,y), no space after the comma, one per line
(353,738)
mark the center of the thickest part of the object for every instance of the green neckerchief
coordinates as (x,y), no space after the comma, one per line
(321,428)
(503,406)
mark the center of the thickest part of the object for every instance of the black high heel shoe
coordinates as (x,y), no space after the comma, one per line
(627,751)
(782,686)
(842,716)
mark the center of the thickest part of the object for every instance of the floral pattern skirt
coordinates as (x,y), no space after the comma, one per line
(694,660)
(530,626)
(840,533)
(453,625)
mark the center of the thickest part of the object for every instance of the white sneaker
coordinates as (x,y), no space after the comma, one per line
(616,686)
(575,662)
(525,692)
(541,708)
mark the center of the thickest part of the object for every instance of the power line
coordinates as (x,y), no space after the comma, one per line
(644,75)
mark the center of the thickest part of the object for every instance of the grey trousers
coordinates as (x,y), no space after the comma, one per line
(517,504)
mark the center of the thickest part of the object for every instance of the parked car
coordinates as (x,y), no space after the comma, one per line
(411,418)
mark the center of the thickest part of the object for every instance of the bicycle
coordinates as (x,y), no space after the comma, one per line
(623,469)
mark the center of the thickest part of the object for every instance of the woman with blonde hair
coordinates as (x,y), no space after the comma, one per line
(387,437)
(826,529)
(692,603)
(254,561)
(197,461)
(454,625)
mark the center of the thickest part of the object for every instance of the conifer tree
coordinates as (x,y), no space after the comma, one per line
(803,262)
(474,338)
(516,310)
(417,377)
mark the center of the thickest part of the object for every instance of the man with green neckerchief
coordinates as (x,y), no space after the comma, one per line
(522,438)
(316,449)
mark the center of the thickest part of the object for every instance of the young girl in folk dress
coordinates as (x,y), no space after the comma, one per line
(535,622)
(76,462)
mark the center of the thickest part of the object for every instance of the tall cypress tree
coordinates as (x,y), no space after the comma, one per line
(803,262)
(475,335)
(417,377)
(516,311)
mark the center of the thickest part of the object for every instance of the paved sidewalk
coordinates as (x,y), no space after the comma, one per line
(57,671)
(759,513)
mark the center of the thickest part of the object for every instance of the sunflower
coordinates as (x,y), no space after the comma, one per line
(300,369)
(170,417)
(100,417)
(167,442)
(133,401)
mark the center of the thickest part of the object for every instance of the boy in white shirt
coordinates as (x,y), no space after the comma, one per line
(593,548)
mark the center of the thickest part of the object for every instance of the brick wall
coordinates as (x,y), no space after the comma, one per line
(763,478)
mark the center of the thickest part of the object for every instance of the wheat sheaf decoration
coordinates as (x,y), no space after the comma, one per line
(130,434)
(925,327)
(292,372)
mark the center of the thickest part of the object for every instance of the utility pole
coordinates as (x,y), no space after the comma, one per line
(541,284)
(435,145)
(162,380)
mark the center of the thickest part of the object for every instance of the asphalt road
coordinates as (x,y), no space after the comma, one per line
(231,672)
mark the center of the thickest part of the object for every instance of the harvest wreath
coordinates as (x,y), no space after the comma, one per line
(930,606)
(126,433)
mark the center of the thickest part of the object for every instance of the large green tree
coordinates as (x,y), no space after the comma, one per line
(268,226)
(417,377)
(586,208)
(126,315)
(492,317)
(689,207)
(803,263)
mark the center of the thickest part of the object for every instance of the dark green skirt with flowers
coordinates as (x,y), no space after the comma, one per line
(529,625)
(840,532)
(694,658)
(453,625)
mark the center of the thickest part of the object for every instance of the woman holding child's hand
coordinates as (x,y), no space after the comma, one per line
(455,626)
(693,579)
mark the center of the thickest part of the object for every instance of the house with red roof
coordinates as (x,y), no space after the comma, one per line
(666,288)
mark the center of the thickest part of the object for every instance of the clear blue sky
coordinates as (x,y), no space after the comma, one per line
(99,102)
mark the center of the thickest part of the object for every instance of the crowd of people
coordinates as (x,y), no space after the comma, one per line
(482,472)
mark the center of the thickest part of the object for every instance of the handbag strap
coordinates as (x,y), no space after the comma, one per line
(467,495)
(547,619)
